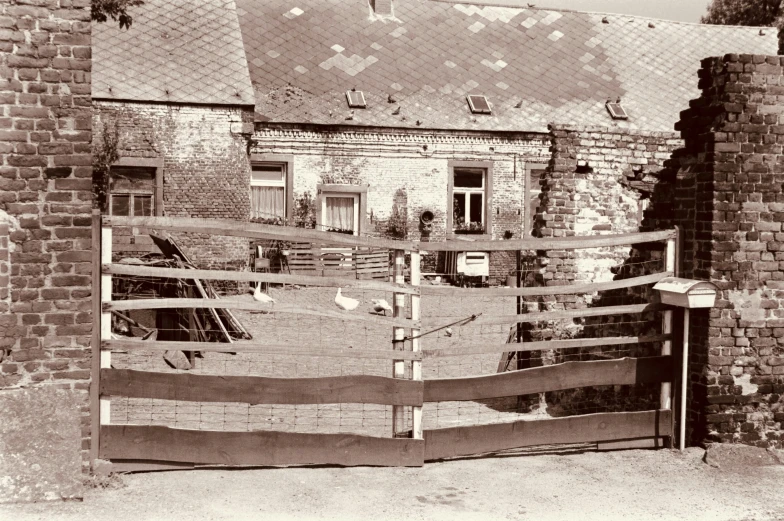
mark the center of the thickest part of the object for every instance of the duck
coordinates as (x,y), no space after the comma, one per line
(381,306)
(259,296)
(448,331)
(345,303)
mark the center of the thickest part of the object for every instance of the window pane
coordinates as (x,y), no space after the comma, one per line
(458,210)
(476,208)
(133,179)
(340,214)
(267,202)
(142,205)
(469,178)
(121,204)
(536,179)
(264,174)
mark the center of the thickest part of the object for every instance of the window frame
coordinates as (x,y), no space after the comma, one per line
(157,192)
(487,214)
(323,191)
(288,183)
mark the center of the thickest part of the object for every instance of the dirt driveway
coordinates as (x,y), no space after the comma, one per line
(629,485)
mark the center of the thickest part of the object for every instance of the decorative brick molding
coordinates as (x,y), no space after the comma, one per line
(46,197)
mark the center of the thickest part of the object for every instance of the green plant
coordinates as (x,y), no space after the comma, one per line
(104,155)
(305,211)
(397,225)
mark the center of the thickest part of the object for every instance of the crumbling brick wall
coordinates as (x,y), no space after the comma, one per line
(731,203)
(45,197)
(417,162)
(206,169)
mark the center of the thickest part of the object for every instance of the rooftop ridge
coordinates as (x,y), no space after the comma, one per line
(513,5)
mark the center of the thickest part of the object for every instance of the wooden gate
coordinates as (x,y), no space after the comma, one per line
(409,442)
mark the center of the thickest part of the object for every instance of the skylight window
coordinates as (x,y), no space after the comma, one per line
(479,104)
(616,110)
(356,99)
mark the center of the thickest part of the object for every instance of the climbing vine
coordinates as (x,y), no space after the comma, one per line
(104,155)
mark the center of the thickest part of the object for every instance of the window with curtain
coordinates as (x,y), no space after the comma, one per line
(339,214)
(268,193)
(468,200)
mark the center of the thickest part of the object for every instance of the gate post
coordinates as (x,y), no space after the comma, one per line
(106,318)
(95,341)
(398,334)
(665,398)
(416,365)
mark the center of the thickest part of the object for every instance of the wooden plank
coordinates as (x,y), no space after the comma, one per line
(252,305)
(257,447)
(602,427)
(570,289)
(640,443)
(559,243)
(232,228)
(246,276)
(95,340)
(569,375)
(298,350)
(254,390)
(138,465)
(547,315)
(545,345)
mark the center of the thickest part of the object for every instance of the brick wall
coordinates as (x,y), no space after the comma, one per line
(415,162)
(732,204)
(206,171)
(45,197)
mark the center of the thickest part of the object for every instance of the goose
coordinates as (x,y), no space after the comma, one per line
(262,297)
(448,331)
(381,306)
(345,303)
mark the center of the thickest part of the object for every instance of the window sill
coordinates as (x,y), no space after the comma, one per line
(468,237)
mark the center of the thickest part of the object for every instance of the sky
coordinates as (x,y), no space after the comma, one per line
(681,10)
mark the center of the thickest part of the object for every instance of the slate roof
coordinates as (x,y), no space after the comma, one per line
(185,51)
(535,66)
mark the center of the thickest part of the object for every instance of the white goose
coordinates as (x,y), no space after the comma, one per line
(381,306)
(262,297)
(345,303)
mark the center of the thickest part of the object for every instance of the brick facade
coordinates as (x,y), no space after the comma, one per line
(731,204)
(204,164)
(45,198)
(416,163)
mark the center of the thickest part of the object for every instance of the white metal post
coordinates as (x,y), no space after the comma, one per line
(106,317)
(684,379)
(398,334)
(416,365)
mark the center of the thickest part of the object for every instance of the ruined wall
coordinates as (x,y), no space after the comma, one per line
(415,162)
(731,201)
(45,199)
(206,171)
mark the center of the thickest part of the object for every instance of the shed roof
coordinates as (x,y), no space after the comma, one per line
(535,66)
(182,51)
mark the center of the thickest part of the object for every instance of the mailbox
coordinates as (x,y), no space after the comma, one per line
(686,293)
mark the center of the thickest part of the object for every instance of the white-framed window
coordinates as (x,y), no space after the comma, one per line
(268,193)
(469,200)
(340,212)
(535,176)
(132,191)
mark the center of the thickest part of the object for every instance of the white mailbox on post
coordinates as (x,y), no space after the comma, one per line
(686,293)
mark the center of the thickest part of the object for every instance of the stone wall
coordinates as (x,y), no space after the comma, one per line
(205,166)
(731,202)
(416,162)
(45,199)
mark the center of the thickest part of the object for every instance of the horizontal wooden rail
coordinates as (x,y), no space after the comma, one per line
(257,390)
(485,320)
(571,289)
(359,315)
(545,345)
(560,243)
(290,233)
(590,428)
(259,348)
(569,375)
(254,230)
(246,276)
(152,442)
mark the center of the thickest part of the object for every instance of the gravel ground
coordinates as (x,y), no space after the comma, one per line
(628,485)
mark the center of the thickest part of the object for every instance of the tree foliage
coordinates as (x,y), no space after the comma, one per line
(117,10)
(756,13)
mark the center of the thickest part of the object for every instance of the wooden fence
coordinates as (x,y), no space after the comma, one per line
(144,447)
